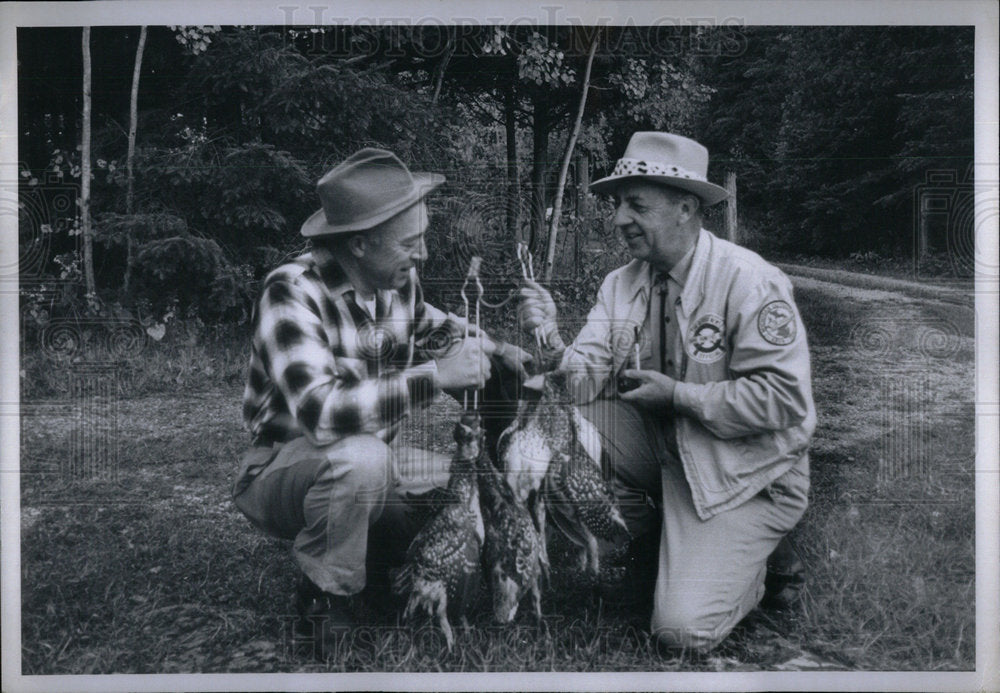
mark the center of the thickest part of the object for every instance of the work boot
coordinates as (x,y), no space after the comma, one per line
(786,575)
(325,620)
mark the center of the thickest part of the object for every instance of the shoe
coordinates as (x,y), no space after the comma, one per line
(786,576)
(324,619)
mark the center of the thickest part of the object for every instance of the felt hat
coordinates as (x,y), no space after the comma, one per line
(662,157)
(369,187)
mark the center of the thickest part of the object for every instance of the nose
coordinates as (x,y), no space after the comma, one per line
(421,253)
(621,217)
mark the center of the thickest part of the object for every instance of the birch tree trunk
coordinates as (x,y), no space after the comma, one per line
(88,241)
(513,179)
(550,256)
(442,67)
(732,223)
(133,119)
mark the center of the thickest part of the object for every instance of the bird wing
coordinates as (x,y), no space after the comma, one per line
(527,548)
(562,509)
(591,495)
(440,543)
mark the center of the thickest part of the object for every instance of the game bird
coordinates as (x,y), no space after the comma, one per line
(441,572)
(549,455)
(513,552)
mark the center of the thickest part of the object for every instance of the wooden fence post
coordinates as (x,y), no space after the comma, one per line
(732,228)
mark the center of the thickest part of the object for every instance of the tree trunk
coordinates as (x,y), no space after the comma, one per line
(513,178)
(449,51)
(133,119)
(550,256)
(539,161)
(732,226)
(88,241)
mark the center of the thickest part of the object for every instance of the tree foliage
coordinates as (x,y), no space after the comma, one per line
(830,131)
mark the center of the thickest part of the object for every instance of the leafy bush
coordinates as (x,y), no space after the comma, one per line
(194,274)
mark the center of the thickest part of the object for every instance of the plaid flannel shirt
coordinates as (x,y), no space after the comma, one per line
(323,367)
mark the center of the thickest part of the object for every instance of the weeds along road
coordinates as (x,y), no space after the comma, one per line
(152,569)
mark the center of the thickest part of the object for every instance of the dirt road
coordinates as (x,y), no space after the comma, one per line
(837,281)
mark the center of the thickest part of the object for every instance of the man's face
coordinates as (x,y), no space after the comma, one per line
(649,220)
(391,251)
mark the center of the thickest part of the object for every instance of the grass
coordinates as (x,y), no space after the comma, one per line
(146,566)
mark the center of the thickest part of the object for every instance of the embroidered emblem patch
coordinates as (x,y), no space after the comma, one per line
(705,339)
(776,323)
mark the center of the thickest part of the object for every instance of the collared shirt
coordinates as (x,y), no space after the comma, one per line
(323,367)
(743,411)
(662,317)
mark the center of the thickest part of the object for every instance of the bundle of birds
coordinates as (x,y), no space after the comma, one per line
(550,456)
(513,552)
(441,572)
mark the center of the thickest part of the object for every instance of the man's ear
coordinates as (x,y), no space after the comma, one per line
(357,245)
(690,205)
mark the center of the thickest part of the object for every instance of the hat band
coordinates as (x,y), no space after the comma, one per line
(640,167)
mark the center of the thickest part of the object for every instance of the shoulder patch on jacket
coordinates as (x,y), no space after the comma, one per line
(776,323)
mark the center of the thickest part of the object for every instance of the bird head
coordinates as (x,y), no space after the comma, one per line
(556,387)
(468,434)
(506,595)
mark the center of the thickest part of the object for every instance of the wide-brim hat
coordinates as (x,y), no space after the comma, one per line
(369,187)
(664,158)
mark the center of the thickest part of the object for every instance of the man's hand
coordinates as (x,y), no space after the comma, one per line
(538,311)
(655,391)
(513,357)
(467,365)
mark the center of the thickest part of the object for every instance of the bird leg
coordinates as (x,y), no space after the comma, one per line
(442,618)
(593,556)
(536,600)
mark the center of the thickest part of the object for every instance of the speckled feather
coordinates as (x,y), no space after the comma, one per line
(512,551)
(442,568)
(545,444)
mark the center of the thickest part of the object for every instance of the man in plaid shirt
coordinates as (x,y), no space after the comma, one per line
(343,349)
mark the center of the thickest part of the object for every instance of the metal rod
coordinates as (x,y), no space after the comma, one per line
(472,274)
(479,335)
(465,302)
(412,315)
(528,272)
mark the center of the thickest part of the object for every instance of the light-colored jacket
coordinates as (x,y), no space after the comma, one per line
(743,408)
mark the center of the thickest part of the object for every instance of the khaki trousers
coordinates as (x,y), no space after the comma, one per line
(346,506)
(711,572)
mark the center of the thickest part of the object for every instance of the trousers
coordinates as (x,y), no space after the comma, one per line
(352,507)
(710,572)
(345,506)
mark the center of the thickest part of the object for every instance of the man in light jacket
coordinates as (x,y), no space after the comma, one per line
(708,437)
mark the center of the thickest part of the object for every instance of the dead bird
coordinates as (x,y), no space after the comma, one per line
(513,552)
(441,573)
(550,455)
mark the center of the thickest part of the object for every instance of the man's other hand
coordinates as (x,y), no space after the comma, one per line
(465,366)
(537,310)
(655,391)
(514,358)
